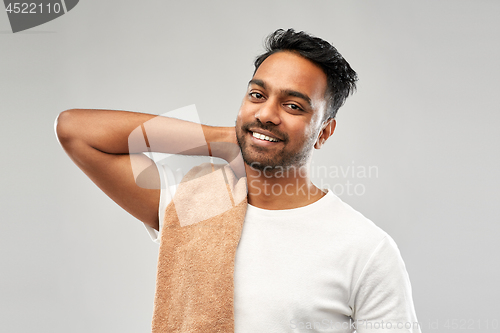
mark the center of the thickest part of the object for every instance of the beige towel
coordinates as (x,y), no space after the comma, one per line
(199,236)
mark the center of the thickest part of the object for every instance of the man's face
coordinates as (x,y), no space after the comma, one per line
(282,113)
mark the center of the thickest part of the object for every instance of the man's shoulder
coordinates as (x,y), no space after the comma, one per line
(352,223)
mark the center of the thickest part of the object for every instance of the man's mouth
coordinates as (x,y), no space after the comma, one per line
(264,137)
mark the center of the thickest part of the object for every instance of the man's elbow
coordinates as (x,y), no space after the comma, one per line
(64,126)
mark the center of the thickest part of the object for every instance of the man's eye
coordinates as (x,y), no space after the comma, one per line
(295,107)
(256,95)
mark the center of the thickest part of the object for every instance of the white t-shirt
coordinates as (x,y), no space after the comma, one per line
(319,268)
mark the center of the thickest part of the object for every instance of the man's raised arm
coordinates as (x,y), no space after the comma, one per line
(108,145)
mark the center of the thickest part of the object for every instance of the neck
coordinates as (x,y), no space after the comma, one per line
(281,188)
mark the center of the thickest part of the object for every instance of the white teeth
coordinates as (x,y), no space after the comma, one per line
(264,137)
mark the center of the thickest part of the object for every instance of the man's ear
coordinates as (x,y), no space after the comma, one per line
(327,130)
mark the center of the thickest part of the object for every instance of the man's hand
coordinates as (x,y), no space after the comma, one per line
(223,144)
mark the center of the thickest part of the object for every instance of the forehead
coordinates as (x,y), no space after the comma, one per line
(289,71)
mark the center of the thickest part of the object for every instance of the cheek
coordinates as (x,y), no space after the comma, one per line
(299,126)
(316,125)
(240,118)
(304,133)
(245,114)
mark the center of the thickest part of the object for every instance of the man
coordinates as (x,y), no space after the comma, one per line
(306,261)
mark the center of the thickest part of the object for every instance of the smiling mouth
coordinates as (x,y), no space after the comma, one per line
(264,137)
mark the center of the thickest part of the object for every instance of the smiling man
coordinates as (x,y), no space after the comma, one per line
(281,120)
(285,257)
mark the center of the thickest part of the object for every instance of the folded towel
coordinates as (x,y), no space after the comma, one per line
(199,236)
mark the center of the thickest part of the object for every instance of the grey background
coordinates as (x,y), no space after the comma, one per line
(426,115)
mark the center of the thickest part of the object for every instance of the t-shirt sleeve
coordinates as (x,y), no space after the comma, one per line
(382,297)
(169,180)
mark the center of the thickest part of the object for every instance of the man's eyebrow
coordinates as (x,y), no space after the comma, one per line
(286,92)
(257,82)
(297,94)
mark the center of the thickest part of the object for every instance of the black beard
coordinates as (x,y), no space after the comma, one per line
(279,161)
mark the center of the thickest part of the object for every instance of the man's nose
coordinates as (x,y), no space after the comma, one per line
(269,112)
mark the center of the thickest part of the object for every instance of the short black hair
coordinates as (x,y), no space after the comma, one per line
(341,78)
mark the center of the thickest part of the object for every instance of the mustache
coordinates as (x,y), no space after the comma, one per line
(268,127)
